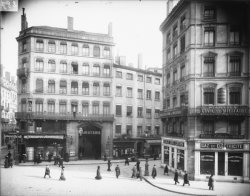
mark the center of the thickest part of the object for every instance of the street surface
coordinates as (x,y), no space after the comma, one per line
(27,179)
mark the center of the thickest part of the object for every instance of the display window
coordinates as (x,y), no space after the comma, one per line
(207,163)
(235,164)
(172,155)
(166,154)
(180,160)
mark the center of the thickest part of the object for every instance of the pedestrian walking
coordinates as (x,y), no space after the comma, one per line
(211,182)
(166,169)
(186,179)
(60,161)
(154,172)
(140,173)
(62,177)
(47,171)
(126,161)
(138,165)
(117,171)
(105,157)
(176,176)
(109,165)
(98,174)
(6,162)
(133,172)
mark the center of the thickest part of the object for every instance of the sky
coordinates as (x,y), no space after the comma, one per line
(135,25)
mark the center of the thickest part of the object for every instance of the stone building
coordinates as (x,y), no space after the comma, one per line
(206,77)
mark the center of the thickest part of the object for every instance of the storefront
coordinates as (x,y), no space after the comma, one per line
(174,153)
(153,147)
(227,160)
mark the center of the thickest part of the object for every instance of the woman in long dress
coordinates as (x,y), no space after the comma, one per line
(98,174)
(62,177)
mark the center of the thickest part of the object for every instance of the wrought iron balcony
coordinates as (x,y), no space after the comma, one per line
(64,116)
(221,136)
(178,111)
(23,72)
(174,134)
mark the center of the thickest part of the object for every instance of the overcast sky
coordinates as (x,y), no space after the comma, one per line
(135,25)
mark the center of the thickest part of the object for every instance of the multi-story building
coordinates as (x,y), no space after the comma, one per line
(206,77)
(137,104)
(8,107)
(64,91)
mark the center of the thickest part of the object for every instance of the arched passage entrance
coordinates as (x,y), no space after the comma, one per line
(89,140)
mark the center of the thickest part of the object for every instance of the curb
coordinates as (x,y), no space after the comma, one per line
(182,193)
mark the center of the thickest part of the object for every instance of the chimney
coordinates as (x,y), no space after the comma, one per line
(110,29)
(24,23)
(70,23)
(139,66)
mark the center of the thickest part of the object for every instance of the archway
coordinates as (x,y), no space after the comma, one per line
(89,140)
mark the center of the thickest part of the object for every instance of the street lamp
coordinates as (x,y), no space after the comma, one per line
(16,150)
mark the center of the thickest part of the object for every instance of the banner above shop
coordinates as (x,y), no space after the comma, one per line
(220,145)
(43,136)
(174,142)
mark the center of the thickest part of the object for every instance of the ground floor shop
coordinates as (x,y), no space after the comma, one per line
(227,159)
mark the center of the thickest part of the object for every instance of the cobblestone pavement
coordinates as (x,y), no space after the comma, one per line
(27,179)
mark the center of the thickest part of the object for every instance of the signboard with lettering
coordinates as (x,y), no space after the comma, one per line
(91,132)
(220,146)
(174,143)
(221,95)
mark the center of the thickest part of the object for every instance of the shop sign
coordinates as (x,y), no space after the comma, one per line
(91,132)
(72,153)
(153,141)
(222,110)
(43,136)
(220,145)
(174,143)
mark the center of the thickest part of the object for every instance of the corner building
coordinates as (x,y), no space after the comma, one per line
(64,91)
(206,66)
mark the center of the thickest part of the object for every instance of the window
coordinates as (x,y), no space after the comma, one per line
(118,130)
(149,80)
(174,102)
(38,127)
(51,106)
(106,108)
(235,164)
(234,36)
(52,46)
(140,94)
(157,113)
(209,12)
(175,49)
(85,50)
(182,100)
(118,91)
(39,105)
(23,105)
(39,85)
(85,69)
(208,67)
(168,78)
(74,68)
(168,54)
(51,86)
(63,107)
(208,127)
(234,95)
(106,71)
(118,74)
(106,89)
(157,131)
(157,81)
(63,67)
(140,78)
(207,160)
(106,52)
(234,128)
(208,96)
(39,45)
(148,130)
(95,108)
(129,76)
(209,36)
(85,108)
(129,130)
(139,112)
(24,46)
(168,103)
(175,76)
(74,49)
(139,131)
(74,107)
(235,66)
(85,88)
(148,94)
(24,63)
(168,38)
(63,87)
(183,44)
(96,88)
(51,66)
(183,72)
(63,48)
(129,92)
(148,113)
(157,96)
(118,110)
(175,31)
(96,52)
(96,70)
(183,23)
(39,65)
(129,111)
(74,87)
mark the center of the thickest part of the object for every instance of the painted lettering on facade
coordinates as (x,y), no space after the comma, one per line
(91,132)
(220,146)
(174,143)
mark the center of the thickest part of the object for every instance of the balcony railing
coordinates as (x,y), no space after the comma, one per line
(63,116)
(23,72)
(174,134)
(221,136)
(178,111)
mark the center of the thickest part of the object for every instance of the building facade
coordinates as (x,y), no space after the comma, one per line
(64,91)
(206,75)
(137,104)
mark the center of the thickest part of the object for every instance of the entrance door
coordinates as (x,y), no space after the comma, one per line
(90,142)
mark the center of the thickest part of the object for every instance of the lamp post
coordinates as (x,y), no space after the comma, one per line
(16,150)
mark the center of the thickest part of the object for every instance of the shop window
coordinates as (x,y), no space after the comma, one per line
(207,163)
(139,112)
(129,92)
(208,70)
(85,88)
(96,88)
(51,86)
(140,94)
(235,164)
(85,69)
(235,66)
(63,87)
(63,48)
(129,111)
(63,67)
(166,155)
(96,51)
(173,158)
(74,87)
(209,36)
(85,50)
(208,94)
(180,159)
(118,110)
